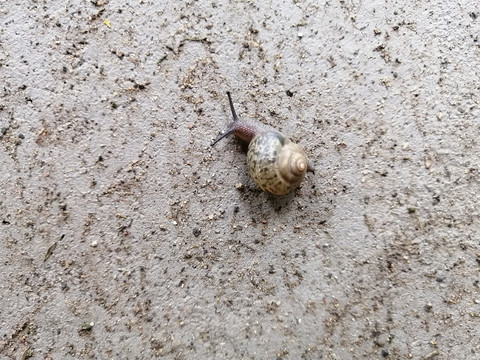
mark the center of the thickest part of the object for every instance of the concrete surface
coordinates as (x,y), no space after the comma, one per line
(124,236)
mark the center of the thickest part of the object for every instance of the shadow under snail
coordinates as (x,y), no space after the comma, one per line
(275,163)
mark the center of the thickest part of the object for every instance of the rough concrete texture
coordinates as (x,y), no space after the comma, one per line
(124,235)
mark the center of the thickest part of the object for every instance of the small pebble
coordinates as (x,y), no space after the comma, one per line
(94,243)
(239,186)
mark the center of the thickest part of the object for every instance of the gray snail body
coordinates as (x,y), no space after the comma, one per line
(275,163)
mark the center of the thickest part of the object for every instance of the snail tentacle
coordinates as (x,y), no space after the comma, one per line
(241,129)
(232,108)
(224,135)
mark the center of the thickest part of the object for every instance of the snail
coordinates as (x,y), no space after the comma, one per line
(275,163)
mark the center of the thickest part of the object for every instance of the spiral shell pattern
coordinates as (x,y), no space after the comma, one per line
(275,163)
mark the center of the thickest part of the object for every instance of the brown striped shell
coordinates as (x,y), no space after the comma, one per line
(275,163)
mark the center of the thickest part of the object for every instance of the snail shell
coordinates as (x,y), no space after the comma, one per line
(275,163)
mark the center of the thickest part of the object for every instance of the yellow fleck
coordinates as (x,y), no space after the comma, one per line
(106,22)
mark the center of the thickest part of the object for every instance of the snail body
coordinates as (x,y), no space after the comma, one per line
(275,163)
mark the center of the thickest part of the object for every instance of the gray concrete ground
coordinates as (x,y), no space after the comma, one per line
(125,236)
